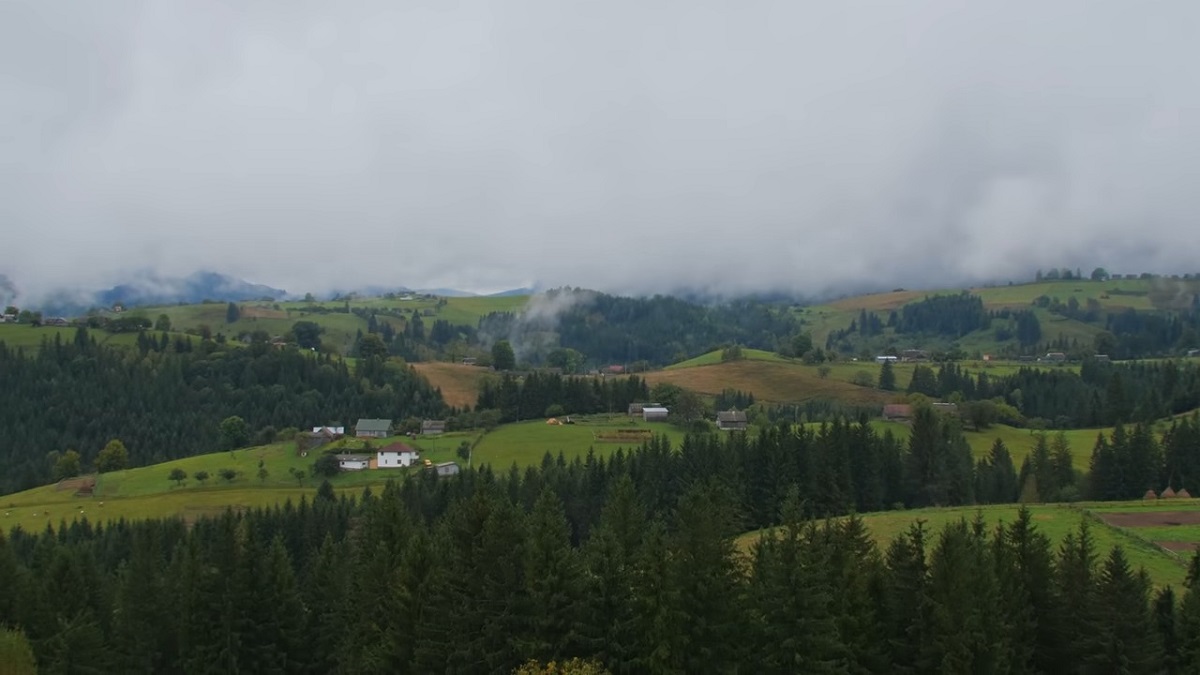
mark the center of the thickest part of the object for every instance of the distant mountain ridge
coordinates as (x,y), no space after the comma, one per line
(152,289)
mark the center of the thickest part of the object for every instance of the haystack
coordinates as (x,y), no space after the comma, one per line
(1183,494)
(1149,495)
(1167,494)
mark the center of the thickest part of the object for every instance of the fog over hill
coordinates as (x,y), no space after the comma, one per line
(627,147)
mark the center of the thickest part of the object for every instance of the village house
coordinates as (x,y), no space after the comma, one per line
(884,358)
(897,412)
(332,431)
(395,456)
(731,420)
(469,361)
(635,409)
(373,428)
(446,469)
(1103,358)
(353,462)
(654,414)
(909,355)
(1192,353)
(1054,357)
(433,427)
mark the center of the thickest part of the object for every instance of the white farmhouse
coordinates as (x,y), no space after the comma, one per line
(395,456)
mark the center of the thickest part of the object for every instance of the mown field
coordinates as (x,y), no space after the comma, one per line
(771,381)
(1055,521)
(460,384)
(148,492)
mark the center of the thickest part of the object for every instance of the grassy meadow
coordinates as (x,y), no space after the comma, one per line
(1055,521)
(146,492)
(24,336)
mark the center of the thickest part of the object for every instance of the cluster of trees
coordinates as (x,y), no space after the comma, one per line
(535,394)
(165,405)
(948,315)
(1100,394)
(609,329)
(630,564)
(1129,462)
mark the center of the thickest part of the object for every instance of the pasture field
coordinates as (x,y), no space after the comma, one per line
(24,336)
(277,318)
(771,381)
(714,357)
(460,384)
(527,443)
(1055,521)
(148,492)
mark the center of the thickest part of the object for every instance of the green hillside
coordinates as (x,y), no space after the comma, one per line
(1056,521)
(276,318)
(1115,295)
(147,491)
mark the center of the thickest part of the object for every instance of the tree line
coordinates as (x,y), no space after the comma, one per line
(168,402)
(630,563)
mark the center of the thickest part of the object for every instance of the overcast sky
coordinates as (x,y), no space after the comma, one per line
(625,146)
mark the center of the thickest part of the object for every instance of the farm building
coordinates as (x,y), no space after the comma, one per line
(1192,353)
(1103,358)
(731,420)
(897,411)
(354,462)
(446,469)
(946,408)
(886,359)
(335,431)
(913,355)
(635,409)
(468,361)
(1054,357)
(654,413)
(433,427)
(395,456)
(373,428)
(315,439)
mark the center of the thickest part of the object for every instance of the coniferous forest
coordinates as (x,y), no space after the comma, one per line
(631,563)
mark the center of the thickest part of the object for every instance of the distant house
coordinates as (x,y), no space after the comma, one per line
(913,355)
(654,413)
(333,431)
(947,408)
(353,462)
(396,455)
(8,318)
(373,428)
(635,409)
(1103,358)
(883,358)
(468,361)
(614,370)
(446,469)
(897,412)
(731,420)
(1054,357)
(1192,353)
(57,321)
(433,427)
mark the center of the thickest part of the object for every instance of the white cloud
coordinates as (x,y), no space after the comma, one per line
(621,146)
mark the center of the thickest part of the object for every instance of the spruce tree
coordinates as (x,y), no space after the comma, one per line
(1124,639)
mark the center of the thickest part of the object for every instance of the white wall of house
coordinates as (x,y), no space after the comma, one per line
(396,460)
(354,464)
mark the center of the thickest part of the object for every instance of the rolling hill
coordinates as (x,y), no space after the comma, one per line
(1145,545)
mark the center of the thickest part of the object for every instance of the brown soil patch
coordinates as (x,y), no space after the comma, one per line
(1178,546)
(1151,518)
(460,384)
(263,313)
(769,381)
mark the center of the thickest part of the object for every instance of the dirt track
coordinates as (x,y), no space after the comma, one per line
(1151,519)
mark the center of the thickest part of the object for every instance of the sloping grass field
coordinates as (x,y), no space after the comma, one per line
(1055,521)
(460,384)
(146,492)
(772,381)
(24,336)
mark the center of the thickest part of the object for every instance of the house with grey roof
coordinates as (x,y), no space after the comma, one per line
(732,420)
(373,428)
(433,427)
